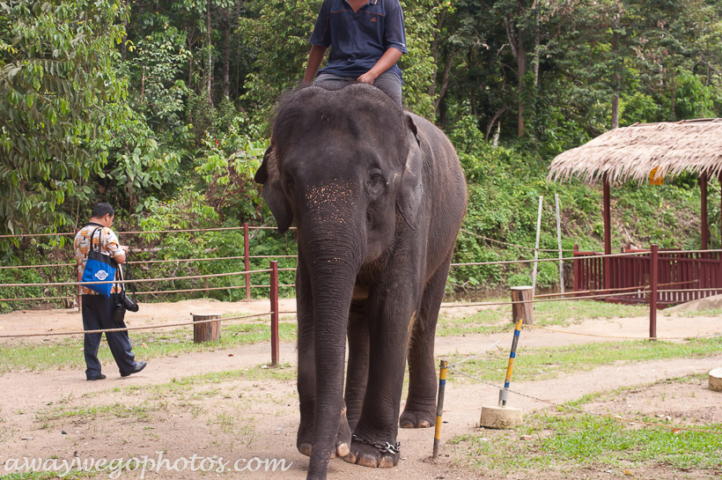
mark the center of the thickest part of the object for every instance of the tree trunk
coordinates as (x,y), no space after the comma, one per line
(226,22)
(435,53)
(209,46)
(617,76)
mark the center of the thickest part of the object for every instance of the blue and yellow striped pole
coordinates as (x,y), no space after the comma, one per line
(504,393)
(440,406)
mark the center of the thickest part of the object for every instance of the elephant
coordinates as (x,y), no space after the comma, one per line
(378,196)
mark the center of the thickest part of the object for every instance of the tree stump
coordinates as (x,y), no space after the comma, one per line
(524,310)
(208,331)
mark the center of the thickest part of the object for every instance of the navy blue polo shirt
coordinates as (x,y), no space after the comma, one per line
(358,40)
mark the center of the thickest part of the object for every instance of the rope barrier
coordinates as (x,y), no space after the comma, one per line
(623,289)
(30,299)
(512,244)
(539,327)
(142,262)
(139,232)
(128,329)
(585,412)
(494,304)
(141,280)
(576,257)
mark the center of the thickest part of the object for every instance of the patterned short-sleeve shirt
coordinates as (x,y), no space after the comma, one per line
(109,246)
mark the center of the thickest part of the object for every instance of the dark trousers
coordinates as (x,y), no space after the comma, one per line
(387,82)
(97,316)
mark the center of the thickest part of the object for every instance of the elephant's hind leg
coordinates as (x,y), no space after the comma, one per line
(420,409)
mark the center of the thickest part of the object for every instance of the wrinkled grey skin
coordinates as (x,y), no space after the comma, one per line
(378,197)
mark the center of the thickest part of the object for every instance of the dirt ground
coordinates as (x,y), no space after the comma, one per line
(57,414)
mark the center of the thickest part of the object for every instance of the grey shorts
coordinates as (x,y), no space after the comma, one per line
(387,82)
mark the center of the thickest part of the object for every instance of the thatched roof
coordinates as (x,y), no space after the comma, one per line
(633,152)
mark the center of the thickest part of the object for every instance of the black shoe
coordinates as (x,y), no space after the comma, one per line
(99,377)
(138,367)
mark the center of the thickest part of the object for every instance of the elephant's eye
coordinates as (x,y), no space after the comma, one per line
(375,177)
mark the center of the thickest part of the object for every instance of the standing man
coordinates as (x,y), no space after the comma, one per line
(97,310)
(366,37)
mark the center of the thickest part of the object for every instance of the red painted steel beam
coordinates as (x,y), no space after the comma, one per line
(653,260)
(703,211)
(274,315)
(607,233)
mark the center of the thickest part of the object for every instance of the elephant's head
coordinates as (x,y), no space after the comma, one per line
(345,167)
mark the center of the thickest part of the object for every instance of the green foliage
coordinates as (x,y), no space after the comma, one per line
(57,89)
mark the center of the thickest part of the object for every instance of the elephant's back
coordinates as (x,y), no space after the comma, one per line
(445,191)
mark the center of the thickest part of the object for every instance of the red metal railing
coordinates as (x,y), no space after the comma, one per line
(682,276)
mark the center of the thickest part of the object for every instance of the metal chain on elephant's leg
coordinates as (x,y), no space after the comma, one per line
(383,447)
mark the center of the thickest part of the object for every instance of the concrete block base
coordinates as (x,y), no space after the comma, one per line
(501,417)
(715,380)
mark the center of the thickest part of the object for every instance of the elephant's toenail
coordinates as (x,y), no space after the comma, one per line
(424,424)
(305,449)
(350,458)
(386,462)
(367,460)
(342,450)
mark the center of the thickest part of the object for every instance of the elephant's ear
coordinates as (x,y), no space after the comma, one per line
(412,187)
(269,175)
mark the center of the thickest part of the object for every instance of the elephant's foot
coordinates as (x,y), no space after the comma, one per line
(379,455)
(418,418)
(304,439)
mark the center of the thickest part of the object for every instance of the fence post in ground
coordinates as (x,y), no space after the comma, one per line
(522,306)
(80,278)
(559,243)
(575,262)
(274,313)
(536,249)
(440,406)
(247,260)
(653,268)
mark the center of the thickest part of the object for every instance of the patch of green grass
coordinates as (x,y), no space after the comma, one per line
(611,394)
(68,353)
(578,441)
(498,319)
(283,372)
(548,362)
(712,312)
(72,475)
(139,413)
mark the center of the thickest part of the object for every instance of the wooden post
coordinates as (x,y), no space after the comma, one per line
(80,279)
(274,314)
(703,210)
(247,260)
(577,278)
(653,265)
(559,243)
(522,310)
(536,249)
(607,233)
(208,331)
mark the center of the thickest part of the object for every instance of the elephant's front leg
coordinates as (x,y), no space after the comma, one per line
(374,443)
(307,372)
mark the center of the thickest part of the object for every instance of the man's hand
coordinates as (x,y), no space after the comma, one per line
(368,78)
(125,248)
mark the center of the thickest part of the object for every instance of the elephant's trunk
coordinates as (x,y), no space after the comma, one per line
(333,258)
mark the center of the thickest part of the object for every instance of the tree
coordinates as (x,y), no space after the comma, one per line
(57,90)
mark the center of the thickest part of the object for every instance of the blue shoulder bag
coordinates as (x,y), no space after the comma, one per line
(99,267)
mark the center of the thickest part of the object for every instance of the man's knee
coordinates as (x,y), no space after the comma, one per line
(391,85)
